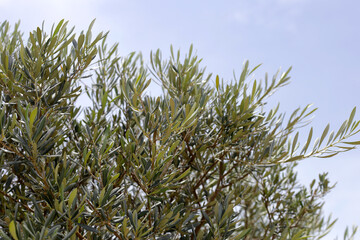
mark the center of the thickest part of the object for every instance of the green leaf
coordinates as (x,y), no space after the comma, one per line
(58,27)
(4,236)
(72,232)
(351,118)
(72,196)
(87,157)
(50,218)
(284,234)
(159,157)
(172,106)
(38,212)
(39,128)
(341,130)
(88,228)
(292,159)
(183,175)
(328,155)
(353,143)
(242,234)
(12,230)
(207,218)
(326,130)
(173,146)
(101,197)
(32,118)
(38,35)
(294,143)
(114,178)
(81,40)
(22,53)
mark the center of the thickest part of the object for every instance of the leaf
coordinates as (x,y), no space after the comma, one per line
(294,143)
(244,72)
(353,143)
(4,236)
(284,234)
(87,157)
(292,159)
(173,146)
(72,232)
(58,27)
(109,147)
(38,212)
(88,228)
(72,196)
(341,130)
(207,218)
(124,227)
(256,67)
(88,33)
(12,230)
(50,218)
(80,40)
(351,118)
(242,234)
(328,156)
(184,174)
(101,197)
(326,130)
(39,127)
(75,43)
(32,117)
(229,210)
(331,136)
(114,178)
(217,82)
(38,35)
(97,39)
(159,157)
(172,105)
(22,53)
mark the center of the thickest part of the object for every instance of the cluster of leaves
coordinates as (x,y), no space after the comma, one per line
(201,161)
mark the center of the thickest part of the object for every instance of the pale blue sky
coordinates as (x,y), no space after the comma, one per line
(319,38)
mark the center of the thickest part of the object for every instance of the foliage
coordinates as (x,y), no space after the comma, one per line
(200,161)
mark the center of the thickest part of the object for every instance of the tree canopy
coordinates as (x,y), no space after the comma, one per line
(203,160)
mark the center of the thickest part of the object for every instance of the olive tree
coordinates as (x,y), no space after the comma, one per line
(203,160)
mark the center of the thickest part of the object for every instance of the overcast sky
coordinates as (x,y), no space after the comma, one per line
(319,38)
